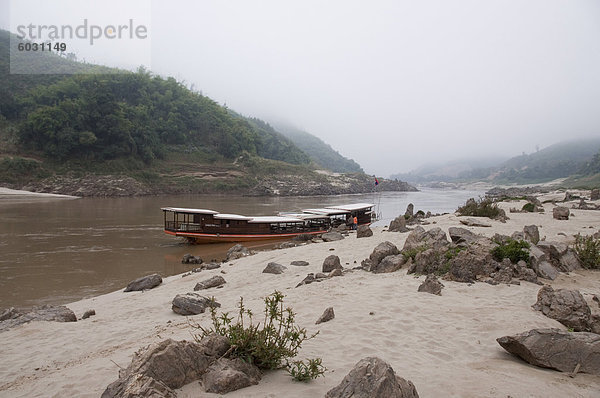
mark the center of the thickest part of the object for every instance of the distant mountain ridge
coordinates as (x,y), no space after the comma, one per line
(559,160)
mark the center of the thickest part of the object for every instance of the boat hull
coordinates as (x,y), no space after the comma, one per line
(218,238)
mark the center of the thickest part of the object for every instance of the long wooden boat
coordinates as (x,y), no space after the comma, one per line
(209,226)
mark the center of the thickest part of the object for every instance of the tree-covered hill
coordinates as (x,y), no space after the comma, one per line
(320,152)
(108,116)
(97,131)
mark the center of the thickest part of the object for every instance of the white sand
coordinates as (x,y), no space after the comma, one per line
(445,345)
(20,195)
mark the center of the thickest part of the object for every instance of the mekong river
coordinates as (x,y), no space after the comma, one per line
(55,251)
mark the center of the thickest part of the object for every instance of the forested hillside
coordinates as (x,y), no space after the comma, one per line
(123,133)
(320,152)
(108,116)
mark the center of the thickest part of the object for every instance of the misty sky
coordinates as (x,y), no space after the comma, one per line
(391,84)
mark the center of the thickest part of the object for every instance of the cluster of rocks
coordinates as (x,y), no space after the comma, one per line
(332,267)
(575,350)
(399,224)
(467,257)
(499,194)
(191,259)
(165,366)
(583,205)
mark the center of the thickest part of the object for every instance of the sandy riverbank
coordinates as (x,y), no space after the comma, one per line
(7,194)
(445,345)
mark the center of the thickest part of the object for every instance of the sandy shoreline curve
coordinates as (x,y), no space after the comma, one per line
(17,194)
(446,345)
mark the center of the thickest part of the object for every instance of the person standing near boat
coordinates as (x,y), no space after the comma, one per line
(355,223)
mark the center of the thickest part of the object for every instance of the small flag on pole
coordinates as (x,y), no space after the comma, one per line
(376,181)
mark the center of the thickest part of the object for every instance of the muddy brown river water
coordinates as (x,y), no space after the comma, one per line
(55,251)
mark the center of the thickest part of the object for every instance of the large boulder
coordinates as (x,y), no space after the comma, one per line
(431,285)
(372,377)
(383,250)
(226,375)
(139,386)
(409,210)
(473,222)
(215,281)
(545,270)
(554,250)
(566,306)
(595,194)
(331,262)
(191,304)
(569,261)
(462,235)
(327,315)
(144,283)
(380,252)
(398,224)
(531,233)
(237,251)
(54,313)
(434,238)
(388,264)
(556,349)
(364,231)
(274,268)
(172,363)
(332,236)
(473,262)
(560,213)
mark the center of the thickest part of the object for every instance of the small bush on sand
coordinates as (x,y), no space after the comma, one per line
(480,208)
(268,344)
(529,207)
(301,371)
(588,251)
(513,250)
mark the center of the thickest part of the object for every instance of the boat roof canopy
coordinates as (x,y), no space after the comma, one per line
(187,210)
(352,206)
(304,216)
(307,214)
(221,216)
(273,219)
(325,211)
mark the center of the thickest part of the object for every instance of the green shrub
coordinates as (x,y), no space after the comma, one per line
(529,207)
(301,371)
(480,208)
(412,253)
(588,251)
(265,345)
(513,250)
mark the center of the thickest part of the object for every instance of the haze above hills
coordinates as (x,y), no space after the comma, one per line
(573,158)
